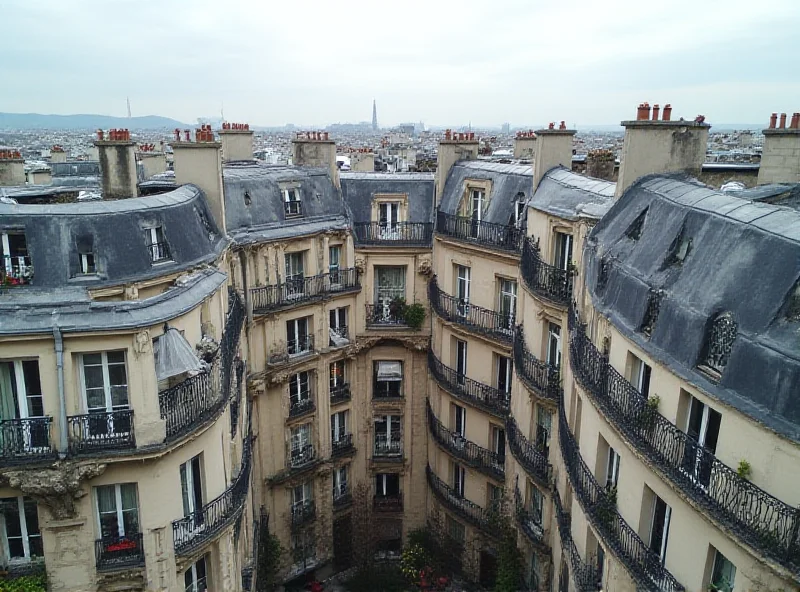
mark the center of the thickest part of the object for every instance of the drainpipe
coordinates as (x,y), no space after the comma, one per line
(62,412)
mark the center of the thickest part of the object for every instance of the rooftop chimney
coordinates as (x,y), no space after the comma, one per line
(57,154)
(661,145)
(153,159)
(12,168)
(525,144)
(454,147)
(117,163)
(780,158)
(200,163)
(315,149)
(600,164)
(237,141)
(553,148)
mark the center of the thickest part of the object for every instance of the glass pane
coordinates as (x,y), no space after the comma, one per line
(119,396)
(93,376)
(31,517)
(92,359)
(11,514)
(117,375)
(116,357)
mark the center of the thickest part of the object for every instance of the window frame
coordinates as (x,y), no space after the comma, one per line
(25,535)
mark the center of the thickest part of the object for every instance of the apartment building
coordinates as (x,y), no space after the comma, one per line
(612,363)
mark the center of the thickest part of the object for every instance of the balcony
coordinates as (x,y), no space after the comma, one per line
(299,407)
(201,526)
(340,393)
(400,234)
(16,271)
(495,236)
(535,463)
(479,458)
(380,315)
(546,281)
(301,457)
(486,520)
(98,432)
(474,318)
(293,209)
(391,502)
(342,497)
(759,519)
(25,440)
(600,508)
(338,336)
(303,513)
(119,552)
(488,398)
(343,445)
(530,521)
(585,574)
(304,289)
(538,376)
(388,450)
(159,252)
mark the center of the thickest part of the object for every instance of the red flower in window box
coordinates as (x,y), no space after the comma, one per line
(123,545)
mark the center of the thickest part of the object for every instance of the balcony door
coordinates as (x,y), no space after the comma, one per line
(703,426)
(389,213)
(504,373)
(20,529)
(390,284)
(21,398)
(301,450)
(301,497)
(459,479)
(387,485)
(334,264)
(387,435)
(463,275)
(295,274)
(299,392)
(461,361)
(104,381)
(554,345)
(338,426)
(14,248)
(507,304)
(195,579)
(297,337)
(117,511)
(192,491)
(476,214)
(563,250)
(337,327)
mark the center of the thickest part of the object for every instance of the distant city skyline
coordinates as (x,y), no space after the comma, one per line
(585,62)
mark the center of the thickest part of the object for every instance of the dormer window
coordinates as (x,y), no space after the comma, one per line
(519,209)
(16,265)
(635,229)
(719,343)
(87,264)
(157,244)
(292,206)
(651,313)
(85,245)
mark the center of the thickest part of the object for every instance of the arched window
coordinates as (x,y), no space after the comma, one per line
(719,342)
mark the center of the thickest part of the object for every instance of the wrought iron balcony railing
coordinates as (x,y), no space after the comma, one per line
(388,449)
(301,456)
(303,513)
(600,507)
(303,289)
(488,398)
(383,315)
(117,552)
(761,520)
(540,377)
(391,502)
(159,252)
(342,496)
(100,431)
(202,525)
(480,320)
(532,459)
(484,519)
(340,393)
(298,407)
(25,439)
(15,270)
(399,234)
(529,520)
(477,457)
(547,281)
(497,236)
(585,573)
(342,445)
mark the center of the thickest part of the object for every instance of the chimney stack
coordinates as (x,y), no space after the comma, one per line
(315,149)
(454,147)
(525,145)
(661,145)
(553,148)
(153,159)
(780,158)
(57,154)
(12,168)
(600,164)
(200,164)
(237,141)
(117,163)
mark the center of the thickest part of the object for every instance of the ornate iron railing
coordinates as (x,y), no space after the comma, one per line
(475,318)
(343,445)
(378,314)
(538,376)
(477,457)
(585,574)
(116,552)
(545,280)
(236,397)
(392,502)
(481,395)
(302,290)
(530,522)
(200,526)
(302,456)
(497,236)
(399,234)
(484,519)
(159,251)
(340,393)
(100,431)
(756,517)
(600,507)
(303,513)
(388,450)
(25,439)
(341,496)
(301,406)
(535,463)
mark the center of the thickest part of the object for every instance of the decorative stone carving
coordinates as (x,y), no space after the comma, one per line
(421,343)
(58,486)
(359,345)
(279,377)
(425,265)
(142,343)
(131,293)
(360,265)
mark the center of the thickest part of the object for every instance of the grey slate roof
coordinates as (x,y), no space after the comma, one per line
(744,258)
(571,196)
(359,189)
(75,168)
(508,180)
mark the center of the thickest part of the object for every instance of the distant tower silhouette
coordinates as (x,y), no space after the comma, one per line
(374,116)
(129,107)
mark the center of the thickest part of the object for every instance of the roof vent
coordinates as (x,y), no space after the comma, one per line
(651,313)
(678,250)
(635,229)
(720,336)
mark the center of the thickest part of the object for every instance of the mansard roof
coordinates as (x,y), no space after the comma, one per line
(568,195)
(359,190)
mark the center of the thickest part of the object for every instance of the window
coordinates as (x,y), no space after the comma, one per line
(389,213)
(703,426)
(304,551)
(340,482)
(459,420)
(634,231)
(504,372)
(87,264)
(535,503)
(640,375)
(498,442)
(477,203)
(195,579)
(390,284)
(388,439)
(337,320)
(21,398)
(519,210)
(659,527)
(534,577)
(462,289)
(554,345)
(157,244)
(719,344)
(16,261)
(388,379)
(507,303)
(338,425)
(104,382)
(723,575)
(300,399)
(563,251)
(298,338)
(494,495)
(337,376)
(459,477)
(118,510)
(544,423)
(612,468)
(387,485)
(302,450)
(295,275)
(334,262)
(461,361)
(301,496)
(455,530)
(292,206)
(601,563)
(192,486)
(20,529)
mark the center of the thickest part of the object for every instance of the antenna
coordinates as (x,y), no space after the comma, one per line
(222,110)
(129,107)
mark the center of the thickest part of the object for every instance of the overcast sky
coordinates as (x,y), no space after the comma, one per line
(486,61)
